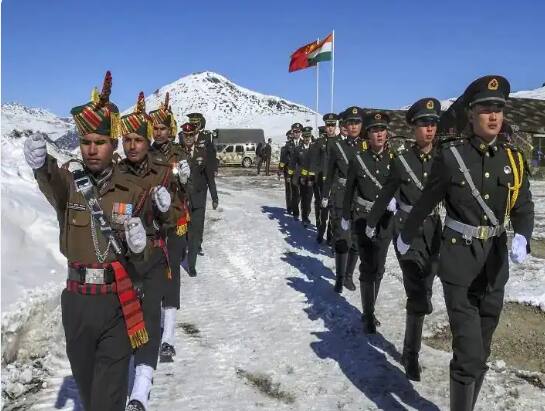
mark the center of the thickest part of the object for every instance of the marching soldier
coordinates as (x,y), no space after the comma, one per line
(409,172)
(319,160)
(300,163)
(483,181)
(201,179)
(164,148)
(367,173)
(283,168)
(338,159)
(101,313)
(297,130)
(154,175)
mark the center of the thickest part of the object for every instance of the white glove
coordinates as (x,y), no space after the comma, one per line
(183,171)
(392,205)
(135,234)
(370,231)
(345,224)
(325,202)
(161,198)
(402,248)
(35,151)
(518,249)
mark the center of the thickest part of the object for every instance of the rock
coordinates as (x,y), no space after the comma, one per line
(15,389)
(26,376)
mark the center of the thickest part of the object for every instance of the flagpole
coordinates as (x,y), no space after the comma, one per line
(317,93)
(332,70)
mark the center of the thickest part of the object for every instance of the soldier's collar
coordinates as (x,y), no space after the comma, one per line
(482,146)
(421,155)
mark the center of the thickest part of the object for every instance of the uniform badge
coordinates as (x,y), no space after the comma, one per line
(507,170)
(354,110)
(199,160)
(378,116)
(121,212)
(493,84)
(429,105)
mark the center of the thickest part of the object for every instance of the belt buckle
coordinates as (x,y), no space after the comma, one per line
(483,232)
(94,276)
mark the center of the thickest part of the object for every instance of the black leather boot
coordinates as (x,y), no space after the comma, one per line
(461,395)
(367,291)
(350,266)
(478,385)
(340,269)
(411,346)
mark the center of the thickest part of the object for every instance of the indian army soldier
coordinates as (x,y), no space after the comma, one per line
(154,175)
(483,181)
(201,179)
(166,151)
(300,164)
(319,160)
(367,173)
(296,130)
(409,172)
(285,152)
(338,159)
(101,313)
(266,153)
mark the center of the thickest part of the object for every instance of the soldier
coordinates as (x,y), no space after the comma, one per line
(266,153)
(164,132)
(319,160)
(483,181)
(283,168)
(367,173)
(409,172)
(201,179)
(300,163)
(338,159)
(296,129)
(154,175)
(94,206)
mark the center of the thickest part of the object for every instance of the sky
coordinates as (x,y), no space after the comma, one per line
(388,53)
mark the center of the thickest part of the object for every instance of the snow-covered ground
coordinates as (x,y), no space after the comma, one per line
(263,306)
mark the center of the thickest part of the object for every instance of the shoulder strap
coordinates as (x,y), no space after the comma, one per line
(342,151)
(409,170)
(367,172)
(489,213)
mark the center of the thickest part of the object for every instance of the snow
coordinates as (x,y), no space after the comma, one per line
(263,305)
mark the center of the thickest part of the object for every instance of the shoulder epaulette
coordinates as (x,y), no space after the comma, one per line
(452,142)
(510,146)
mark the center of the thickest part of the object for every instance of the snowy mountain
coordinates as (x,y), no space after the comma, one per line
(538,94)
(224,104)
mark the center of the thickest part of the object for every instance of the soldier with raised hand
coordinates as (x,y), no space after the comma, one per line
(409,172)
(101,314)
(283,168)
(165,150)
(319,162)
(367,173)
(483,181)
(303,173)
(296,132)
(201,179)
(155,175)
(338,160)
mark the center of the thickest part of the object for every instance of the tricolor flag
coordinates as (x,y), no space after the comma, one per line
(311,54)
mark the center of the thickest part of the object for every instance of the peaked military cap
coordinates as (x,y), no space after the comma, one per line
(330,118)
(98,116)
(138,121)
(428,108)
(487,89)
(288,133)
(353,113)
(376,119)
(188,128)
(163,115)
(321,129)
(307,131)
(198,119)
(296,127)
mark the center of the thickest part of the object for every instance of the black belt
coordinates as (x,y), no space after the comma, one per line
(88,275)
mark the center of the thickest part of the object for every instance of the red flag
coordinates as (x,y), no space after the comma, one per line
(299,58)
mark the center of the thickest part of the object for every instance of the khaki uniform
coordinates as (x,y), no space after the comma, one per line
(97,343)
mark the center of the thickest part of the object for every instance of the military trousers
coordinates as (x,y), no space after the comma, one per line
(177,249)
(372,252)
(317,189)
(473,277)
(195,235)
(306,199)
(156,283)
(295,198)
(344,241)
(98,348)
(287,187)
